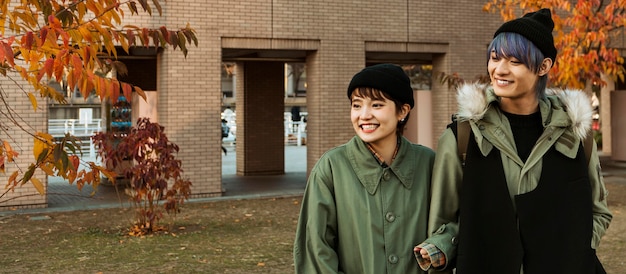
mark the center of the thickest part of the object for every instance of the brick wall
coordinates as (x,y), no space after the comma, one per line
(335,36)
(21,141)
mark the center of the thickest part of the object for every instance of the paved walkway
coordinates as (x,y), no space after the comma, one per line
(65,197)
(613,171)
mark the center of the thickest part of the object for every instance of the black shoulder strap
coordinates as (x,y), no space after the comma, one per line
(588,145)
(462,139)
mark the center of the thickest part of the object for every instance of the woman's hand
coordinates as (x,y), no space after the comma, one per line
(429,255)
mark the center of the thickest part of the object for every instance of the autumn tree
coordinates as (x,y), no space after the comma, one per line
(68,41)
(584,33)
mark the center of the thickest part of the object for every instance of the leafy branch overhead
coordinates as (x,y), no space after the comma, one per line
(70,41)
(75,39)
(583,34)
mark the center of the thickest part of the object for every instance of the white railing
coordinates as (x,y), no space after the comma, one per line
(295,129)
(81,129)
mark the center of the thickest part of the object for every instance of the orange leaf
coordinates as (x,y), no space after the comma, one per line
(111,175)
(48,67)
(40,75)
(86,55)
(77,67)
(13,177)
(2,54)
(9,151)
(115,91)
(127,90)
(71,82)
(76,62)
(58,66)
(140,92)
(102,88)
(8,53)
(91,5)
(75,162)
(123,42)
(23,72)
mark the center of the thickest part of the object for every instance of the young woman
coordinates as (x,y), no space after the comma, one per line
(366,202)
(527,199)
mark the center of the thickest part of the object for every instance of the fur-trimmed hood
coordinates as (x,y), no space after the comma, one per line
(474,100)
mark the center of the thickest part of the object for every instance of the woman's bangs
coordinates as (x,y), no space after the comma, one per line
(367,92)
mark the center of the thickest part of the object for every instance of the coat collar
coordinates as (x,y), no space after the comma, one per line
(474,101)
(370,172)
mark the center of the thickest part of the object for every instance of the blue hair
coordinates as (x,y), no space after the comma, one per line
(511,44)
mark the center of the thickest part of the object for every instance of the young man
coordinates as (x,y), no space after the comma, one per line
(527,199)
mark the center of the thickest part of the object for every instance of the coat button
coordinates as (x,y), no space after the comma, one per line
(393,259)
(390,217)
(455,240)
(386,175)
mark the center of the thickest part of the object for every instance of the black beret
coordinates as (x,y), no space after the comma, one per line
(387,78)
(536,27)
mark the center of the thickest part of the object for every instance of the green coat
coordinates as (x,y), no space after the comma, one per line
(358,217)
(566,118)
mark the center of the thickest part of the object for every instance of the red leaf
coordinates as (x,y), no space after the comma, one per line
(174,39)
(156,39)
(27,40)
(145,37)
(131,36)
(133,8)
(43,34)
(166,34)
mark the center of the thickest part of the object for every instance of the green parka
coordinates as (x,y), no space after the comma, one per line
(358,217)
(566,117)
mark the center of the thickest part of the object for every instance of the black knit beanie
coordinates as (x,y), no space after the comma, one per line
(536,27)
(387,78)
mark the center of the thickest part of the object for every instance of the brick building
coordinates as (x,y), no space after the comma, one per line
(335,39)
